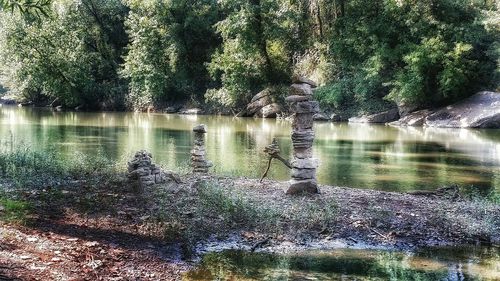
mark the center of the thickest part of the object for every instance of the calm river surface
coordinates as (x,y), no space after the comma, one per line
(454,264)
(365,156)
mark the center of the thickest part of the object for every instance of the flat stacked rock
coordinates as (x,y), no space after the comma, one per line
(142,169)
(303,164)
(198,153)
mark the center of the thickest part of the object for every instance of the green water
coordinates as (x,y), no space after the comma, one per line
(460,264)
(366,156)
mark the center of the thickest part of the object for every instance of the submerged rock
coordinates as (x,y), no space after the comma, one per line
(382,117)
(481,110)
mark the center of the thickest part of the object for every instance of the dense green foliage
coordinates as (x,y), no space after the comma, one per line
(112,54)
(72,56)
(170,41)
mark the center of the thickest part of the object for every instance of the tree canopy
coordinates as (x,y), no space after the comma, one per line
(134,54)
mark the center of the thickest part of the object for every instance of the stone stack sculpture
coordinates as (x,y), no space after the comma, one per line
(303,164)
(198,160)
(142,169)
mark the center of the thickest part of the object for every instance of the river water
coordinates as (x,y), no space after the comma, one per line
(452,264)
(364,156)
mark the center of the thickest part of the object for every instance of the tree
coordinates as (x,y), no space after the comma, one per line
(170,41)
(28,8)
(259,39)
(419,53)
(72,57)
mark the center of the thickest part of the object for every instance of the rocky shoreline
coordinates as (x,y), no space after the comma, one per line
(160,228)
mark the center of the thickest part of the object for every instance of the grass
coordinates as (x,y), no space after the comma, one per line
(24,167)
(14,210)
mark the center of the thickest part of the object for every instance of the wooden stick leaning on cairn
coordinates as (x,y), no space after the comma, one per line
(274,153)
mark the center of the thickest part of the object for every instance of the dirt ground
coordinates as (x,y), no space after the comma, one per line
(108,231)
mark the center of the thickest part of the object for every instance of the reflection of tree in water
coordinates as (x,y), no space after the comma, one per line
(363,265)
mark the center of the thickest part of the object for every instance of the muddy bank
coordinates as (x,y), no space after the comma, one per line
(110,230)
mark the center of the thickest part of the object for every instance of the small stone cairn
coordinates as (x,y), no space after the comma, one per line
(198,153)
(142,169)
(303,109)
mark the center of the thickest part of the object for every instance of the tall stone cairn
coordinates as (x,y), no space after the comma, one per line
(303,164)
(198,160)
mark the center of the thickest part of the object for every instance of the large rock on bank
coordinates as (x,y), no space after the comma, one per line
(262,105)
(481,110)
(382,117)
(413,119)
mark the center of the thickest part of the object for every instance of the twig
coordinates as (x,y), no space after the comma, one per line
(259,244)
(381,235)
(267,170)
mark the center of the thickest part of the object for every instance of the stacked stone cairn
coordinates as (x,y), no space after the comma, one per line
(142,169)
(303,109)
(198,160)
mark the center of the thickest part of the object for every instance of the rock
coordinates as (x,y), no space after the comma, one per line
(142,169)
(305,107)
(303,174)
(320,117)
(297,187)
(405,109)
(302,153)
(2,208)
(382,117)
(334,117)
(255,106)
(271,110)
(170,110)
(301,90)
(297,98)
(416,118)
(264,93)
(481,110)
(191,111)
(201,128)
(308,163)
(198,161)
(297,79)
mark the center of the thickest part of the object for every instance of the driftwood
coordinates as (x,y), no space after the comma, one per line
(274,153)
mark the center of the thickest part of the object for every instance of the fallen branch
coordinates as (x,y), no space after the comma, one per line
(273,150)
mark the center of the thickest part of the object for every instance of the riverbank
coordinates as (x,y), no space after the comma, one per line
(109,229)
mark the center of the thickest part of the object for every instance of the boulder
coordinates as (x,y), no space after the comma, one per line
(297,98)
(382,117)
(481,110)
(297,79)
(301,90)
(413,119)
(297,187)
(320,117)
(264,93)
(271,110)
(258,102)
(334,117)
